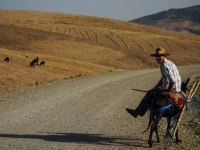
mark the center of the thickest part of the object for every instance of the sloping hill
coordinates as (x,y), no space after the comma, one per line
(74,45)
(182,20)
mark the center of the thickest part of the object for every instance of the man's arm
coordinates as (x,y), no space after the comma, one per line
(169,88)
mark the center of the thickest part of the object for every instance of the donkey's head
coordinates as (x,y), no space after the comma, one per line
(184,85)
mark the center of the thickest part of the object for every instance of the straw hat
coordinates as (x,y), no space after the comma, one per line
(160,52)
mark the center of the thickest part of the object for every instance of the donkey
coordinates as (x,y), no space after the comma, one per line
(34,61)
(32,64)
(160,107)
(7,59)
(42,63)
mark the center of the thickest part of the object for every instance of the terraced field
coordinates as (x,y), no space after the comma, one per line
(74,45)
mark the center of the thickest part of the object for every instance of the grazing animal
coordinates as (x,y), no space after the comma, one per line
(42,63)
(34,61)
(32,64)
(160,106)
(7,59)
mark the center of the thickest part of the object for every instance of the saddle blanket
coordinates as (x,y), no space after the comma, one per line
(177,99)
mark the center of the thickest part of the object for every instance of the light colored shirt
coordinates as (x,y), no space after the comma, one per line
(170,74)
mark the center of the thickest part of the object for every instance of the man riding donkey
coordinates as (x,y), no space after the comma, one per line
(169,84)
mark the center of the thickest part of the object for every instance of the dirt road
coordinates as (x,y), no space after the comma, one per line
(82,113)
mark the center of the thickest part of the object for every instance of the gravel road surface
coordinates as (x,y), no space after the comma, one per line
(87,112)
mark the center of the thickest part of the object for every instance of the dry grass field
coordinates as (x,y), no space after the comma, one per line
(74,45)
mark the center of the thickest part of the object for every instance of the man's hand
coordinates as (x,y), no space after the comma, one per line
(165,92)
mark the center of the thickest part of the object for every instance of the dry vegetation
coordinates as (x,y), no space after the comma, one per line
(73,45)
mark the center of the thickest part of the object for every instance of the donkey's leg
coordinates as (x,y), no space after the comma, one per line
(153,118)
(154,125)
(157,135)
(168,122)
(177,139)
(153,128)
(150,137)
(168,125)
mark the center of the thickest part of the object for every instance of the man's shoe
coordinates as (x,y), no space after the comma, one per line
(132,112)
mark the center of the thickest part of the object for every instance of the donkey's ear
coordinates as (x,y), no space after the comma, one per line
(188,80)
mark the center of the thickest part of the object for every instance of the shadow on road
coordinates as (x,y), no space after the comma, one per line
(82,138)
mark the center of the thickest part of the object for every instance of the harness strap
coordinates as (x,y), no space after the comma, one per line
(162,109)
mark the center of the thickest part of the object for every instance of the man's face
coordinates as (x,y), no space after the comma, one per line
(160,58)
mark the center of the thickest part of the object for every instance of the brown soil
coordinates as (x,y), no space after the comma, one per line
(75,45)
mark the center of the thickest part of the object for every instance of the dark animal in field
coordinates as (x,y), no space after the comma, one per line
(7,59)
(166,109)
(34,62)
(42,63)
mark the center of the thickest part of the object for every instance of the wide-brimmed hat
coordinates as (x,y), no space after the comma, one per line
(160,52)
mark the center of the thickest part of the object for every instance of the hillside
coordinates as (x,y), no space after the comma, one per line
(75,45)
(181,20)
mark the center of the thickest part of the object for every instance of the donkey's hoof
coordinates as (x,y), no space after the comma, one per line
(178,140)
(150,144)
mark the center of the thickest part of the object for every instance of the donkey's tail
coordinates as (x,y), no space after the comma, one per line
(150,119)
